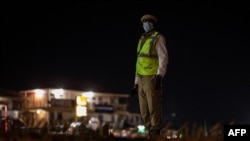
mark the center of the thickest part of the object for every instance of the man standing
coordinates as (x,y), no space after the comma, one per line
(151,66)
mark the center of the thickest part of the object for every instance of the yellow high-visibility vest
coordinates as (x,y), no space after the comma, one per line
(147,59)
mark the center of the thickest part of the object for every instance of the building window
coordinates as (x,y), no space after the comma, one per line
(59,116)
(51,116)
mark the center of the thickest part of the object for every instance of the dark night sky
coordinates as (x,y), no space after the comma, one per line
(92,46)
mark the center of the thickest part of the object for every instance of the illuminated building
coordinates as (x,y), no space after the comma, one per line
(60,105)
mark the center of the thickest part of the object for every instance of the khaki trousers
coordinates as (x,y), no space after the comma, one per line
(150,101)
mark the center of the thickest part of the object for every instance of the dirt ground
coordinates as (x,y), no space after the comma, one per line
(46,137)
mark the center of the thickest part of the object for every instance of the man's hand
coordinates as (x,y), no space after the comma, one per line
(158,82)
(135,89)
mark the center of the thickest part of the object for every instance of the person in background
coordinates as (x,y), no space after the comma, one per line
(151,67)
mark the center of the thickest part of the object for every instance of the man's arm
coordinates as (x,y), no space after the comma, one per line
(162,55)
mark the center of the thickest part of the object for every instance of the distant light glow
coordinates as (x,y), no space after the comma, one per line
(181,135)
(81,111)
(81,100)
(89,94)
(58,92)
(75,124)
(39,93)
(141,129)
(38,111)
(173,114)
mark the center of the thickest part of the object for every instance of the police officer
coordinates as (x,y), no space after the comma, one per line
(151,67)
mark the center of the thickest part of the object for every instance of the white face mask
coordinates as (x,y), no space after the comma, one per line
(147,26)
